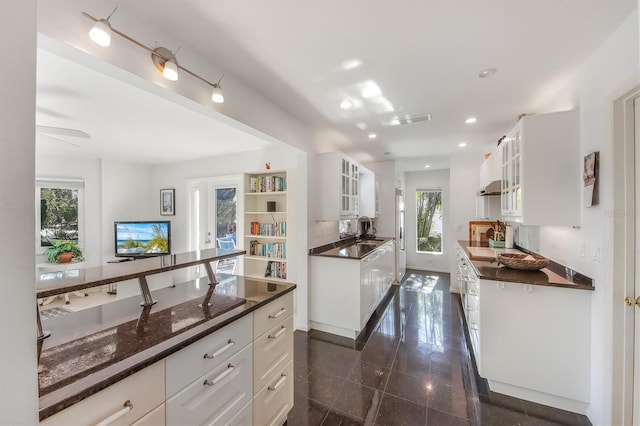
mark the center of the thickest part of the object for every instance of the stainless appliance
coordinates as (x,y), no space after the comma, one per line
(401,254)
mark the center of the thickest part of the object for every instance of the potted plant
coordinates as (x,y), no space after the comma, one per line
(62,251)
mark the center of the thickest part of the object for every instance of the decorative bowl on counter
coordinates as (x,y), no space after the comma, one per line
(525,262)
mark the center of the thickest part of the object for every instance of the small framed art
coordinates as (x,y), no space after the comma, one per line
(167,200)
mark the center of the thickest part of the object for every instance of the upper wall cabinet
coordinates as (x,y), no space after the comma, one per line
(339,187)
(541,170)
(369,193)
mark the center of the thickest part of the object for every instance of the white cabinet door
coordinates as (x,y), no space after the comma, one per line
(535,338)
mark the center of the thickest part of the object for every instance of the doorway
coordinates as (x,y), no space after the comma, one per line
(214,220)
(626,268)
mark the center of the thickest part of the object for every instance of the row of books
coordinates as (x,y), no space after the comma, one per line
(277,229)
(276,270)
(275,250)
(267,184)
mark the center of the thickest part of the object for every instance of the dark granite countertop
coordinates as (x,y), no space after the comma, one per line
(350,248)
(54,283)
(93,348)
(555,275)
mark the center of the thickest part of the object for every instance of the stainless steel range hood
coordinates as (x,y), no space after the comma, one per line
(492,188)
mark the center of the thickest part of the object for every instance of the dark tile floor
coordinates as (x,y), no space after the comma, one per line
(411,367)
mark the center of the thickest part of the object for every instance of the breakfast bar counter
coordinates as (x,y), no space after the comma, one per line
(93,350)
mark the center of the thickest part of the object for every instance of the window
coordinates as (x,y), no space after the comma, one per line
(429,221)
(61,209)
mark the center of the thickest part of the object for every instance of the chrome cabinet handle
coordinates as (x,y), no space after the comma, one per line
(221,376)
(223,349)
(127,406)
(278,383)
(278,334)
(276,315)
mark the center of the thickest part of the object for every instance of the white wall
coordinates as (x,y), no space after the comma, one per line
(19,402)
(464,175)
(386,172)
(610,72)
(427,180)
(89,171)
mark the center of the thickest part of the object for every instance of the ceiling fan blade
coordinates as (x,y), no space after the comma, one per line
(62,140)
(63,131)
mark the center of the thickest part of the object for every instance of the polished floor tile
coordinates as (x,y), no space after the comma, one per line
(410,366)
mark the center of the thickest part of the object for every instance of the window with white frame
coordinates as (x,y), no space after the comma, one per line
(59,211)
(429,221)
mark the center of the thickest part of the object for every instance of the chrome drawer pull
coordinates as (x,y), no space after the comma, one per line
(278,334)
(223,349)
(278,383)
(128,406)
(221,376)
(273,316)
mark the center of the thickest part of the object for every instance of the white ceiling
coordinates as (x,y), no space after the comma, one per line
(413,56)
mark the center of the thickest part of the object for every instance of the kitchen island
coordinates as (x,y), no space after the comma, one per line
(352,277)
(150,357)
(529,331)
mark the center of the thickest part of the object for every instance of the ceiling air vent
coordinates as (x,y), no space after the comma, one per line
(410,119)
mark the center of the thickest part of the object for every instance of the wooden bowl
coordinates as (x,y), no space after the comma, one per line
(525,262)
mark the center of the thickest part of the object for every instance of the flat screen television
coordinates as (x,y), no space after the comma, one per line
(143,238)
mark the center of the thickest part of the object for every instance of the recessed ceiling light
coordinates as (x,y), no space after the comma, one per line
(361,125)
(372,136)
(346,104)
(470,120)
(351,64)
(426,166)
(487,72)
(462,144)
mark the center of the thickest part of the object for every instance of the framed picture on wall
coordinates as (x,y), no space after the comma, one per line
(167,200)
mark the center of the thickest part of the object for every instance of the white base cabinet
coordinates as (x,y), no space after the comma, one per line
(352,288)
(535,342)
(226,378)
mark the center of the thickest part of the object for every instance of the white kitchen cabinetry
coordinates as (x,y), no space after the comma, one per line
(535,342)
(266,226)
(345,292)
(273,362)
(491,169)
(210,380)
(144,391)
(369,193)
(541,170)
(339,186)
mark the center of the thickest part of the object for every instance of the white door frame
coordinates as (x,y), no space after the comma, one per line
(624,264)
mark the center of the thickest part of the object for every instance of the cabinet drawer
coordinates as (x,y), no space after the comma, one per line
(272,404)
(271,352)
(269,315)
(154,418)
(143,389)
(215,397)
(244,417)
(184,366)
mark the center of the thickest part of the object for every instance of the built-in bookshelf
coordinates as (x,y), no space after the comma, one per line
(266,230)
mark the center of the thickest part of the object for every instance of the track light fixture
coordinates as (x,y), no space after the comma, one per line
(166,62)
(164,59)
(216,93)
(100,33)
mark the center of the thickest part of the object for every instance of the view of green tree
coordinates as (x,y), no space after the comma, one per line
(225,211)
(429,221)
(58,215)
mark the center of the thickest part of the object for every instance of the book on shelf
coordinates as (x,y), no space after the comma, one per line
(276,250)
(267,184)
(276,229)
(275,269)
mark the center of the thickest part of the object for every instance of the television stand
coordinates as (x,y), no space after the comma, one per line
(120,260)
